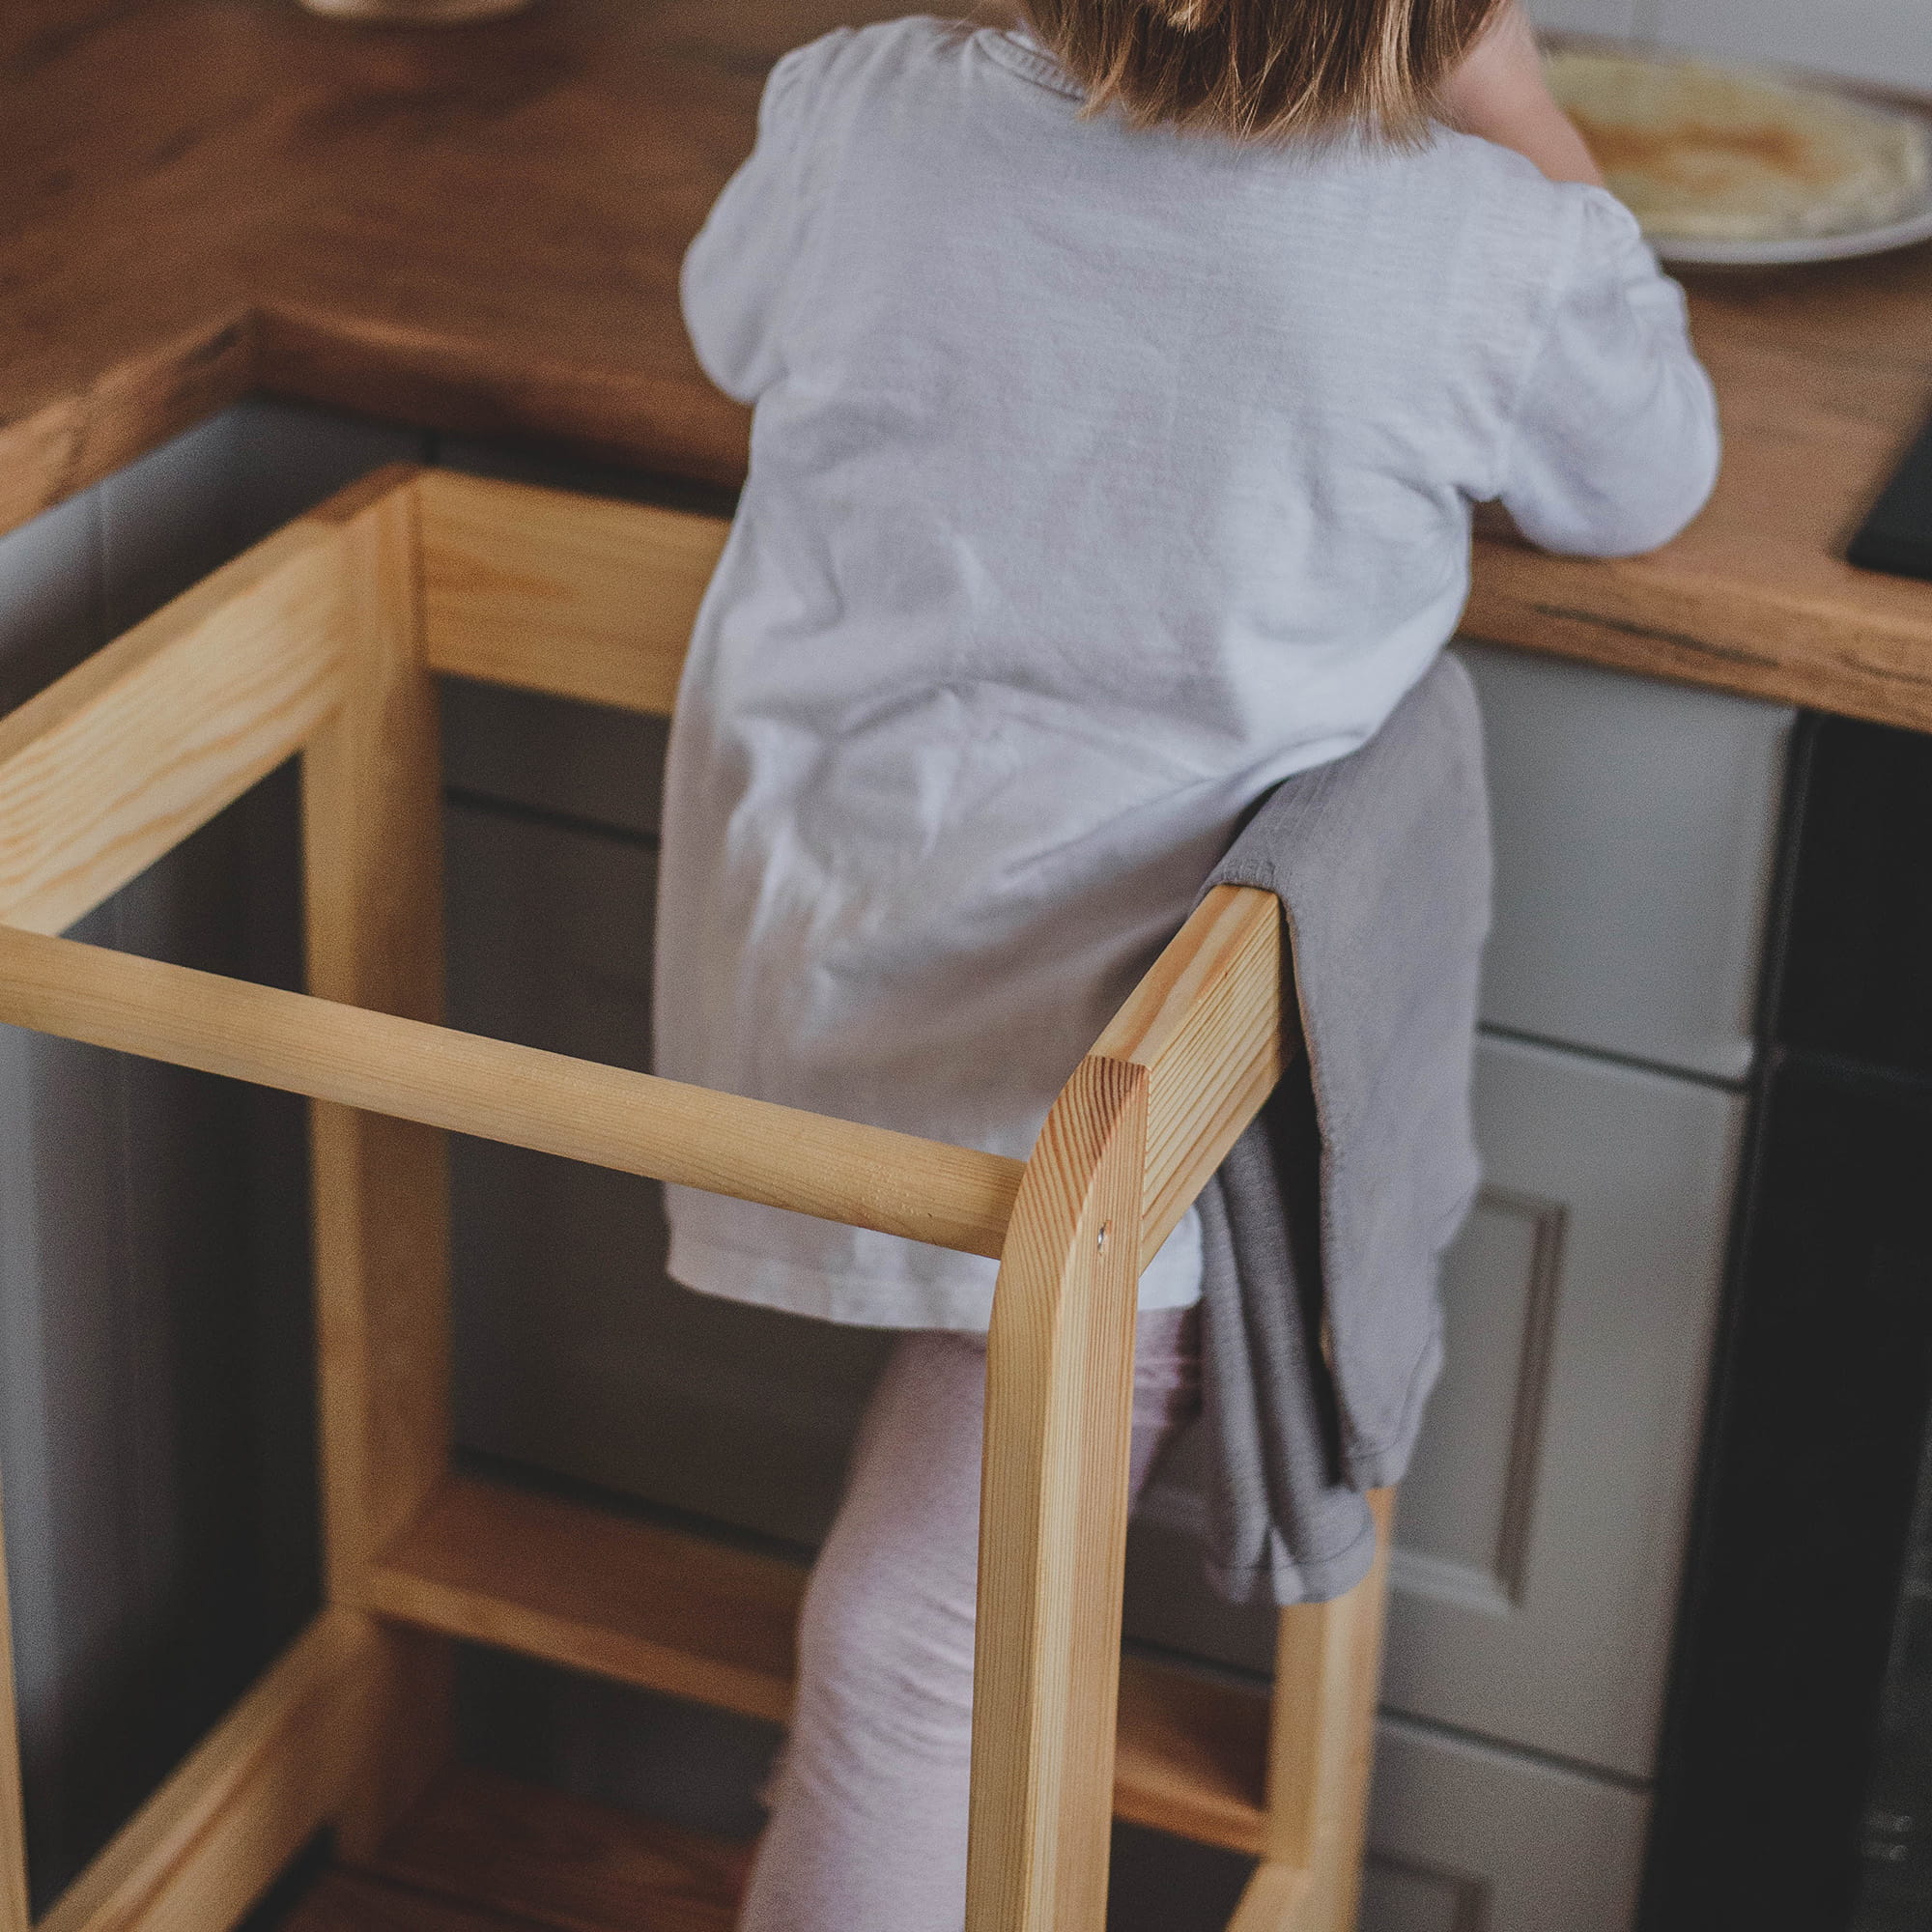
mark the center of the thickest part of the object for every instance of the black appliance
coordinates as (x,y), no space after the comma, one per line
(1897,535)
(1796,1786)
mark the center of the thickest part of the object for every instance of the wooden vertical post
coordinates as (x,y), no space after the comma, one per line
(1322,1754)
(373,838)
(1054,1516)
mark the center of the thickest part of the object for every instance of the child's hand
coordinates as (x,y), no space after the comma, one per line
(1499,94)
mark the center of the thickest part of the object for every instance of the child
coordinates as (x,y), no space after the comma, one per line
(1123,385)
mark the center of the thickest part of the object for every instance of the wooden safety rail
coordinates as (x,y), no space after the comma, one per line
(324,641)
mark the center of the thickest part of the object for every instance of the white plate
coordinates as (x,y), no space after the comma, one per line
(1787,250)
(1689,252)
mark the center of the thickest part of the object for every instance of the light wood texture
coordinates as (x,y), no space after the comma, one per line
(1191,1756)
(200,1852)
(1213,1025)
(607,1594)
(148,739)
(372,812)
(566,594)
(372,838)
(565,1862)
(15,1915)
(1321,1751)
(870,1178)
(1053,1515)
(599,1592)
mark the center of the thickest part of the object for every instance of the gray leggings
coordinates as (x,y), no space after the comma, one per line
(867,1830)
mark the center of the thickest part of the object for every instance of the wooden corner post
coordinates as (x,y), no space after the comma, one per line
(372,792)
(1054,1516)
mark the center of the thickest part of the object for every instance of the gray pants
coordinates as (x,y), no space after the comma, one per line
(867,1831)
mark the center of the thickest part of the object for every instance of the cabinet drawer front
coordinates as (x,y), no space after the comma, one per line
(1636,829)
(1541,1526)
(1464,1838)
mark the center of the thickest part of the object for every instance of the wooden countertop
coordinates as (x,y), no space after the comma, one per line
(479,229)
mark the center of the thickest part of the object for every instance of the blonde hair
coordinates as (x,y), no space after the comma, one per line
(1261,70)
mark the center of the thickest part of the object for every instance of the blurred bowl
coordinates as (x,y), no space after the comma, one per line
(416,13)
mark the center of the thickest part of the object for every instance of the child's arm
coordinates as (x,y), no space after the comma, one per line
(735,270)
(1615,445)
(1499,94)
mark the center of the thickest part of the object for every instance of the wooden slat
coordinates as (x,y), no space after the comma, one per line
(1053,1516)
(868,1177)
(668,1611)
(573,595)
(599,1592)
(372,836)
(563,1863)
(1210,1024)
(371,827)
(198,1854)
(1191,1757)
(116,763)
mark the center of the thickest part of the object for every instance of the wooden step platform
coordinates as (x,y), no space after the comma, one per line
(617,1597)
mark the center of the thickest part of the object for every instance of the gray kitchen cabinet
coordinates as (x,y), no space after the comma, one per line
(1464,1838)
(1637,828)
(1540,1533)
(575,1354)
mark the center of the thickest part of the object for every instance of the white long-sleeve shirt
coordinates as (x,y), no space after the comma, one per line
(1100,480)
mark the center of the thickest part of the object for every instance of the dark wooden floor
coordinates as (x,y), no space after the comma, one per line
(484,1854)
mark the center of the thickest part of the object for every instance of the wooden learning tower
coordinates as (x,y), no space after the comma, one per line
(324,640)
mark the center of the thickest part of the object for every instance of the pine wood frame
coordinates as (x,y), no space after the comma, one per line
(325,640)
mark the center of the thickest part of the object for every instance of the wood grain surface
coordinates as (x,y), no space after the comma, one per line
(635,1122)
(372,877)
(480,229)
(118,762)
(210,1840)
(631,1600)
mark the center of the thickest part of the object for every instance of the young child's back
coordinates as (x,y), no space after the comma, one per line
(1102,478)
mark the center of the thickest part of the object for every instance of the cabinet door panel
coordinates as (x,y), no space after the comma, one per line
(1541,1534)
(1464,1838)
(1635,831)
(1541,1527)
(575,1352)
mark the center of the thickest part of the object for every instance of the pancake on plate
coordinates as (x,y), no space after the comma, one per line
(1716,154)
